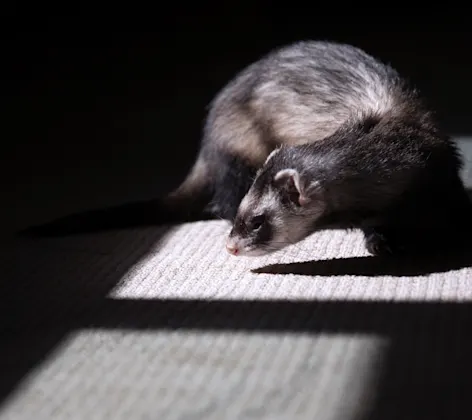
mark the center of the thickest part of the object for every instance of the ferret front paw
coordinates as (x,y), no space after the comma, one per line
(378,245)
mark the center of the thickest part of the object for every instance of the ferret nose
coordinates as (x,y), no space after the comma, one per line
(232,249)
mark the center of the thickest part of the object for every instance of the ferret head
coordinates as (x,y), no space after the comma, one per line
(281,208)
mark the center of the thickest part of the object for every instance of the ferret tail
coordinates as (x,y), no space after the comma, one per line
(186,203)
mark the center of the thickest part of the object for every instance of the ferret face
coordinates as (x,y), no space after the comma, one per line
(281,208)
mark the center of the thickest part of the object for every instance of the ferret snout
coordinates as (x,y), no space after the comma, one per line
(232,247)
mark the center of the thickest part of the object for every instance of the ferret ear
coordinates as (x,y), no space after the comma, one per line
(298,191)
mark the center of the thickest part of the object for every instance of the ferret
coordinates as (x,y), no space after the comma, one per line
(314,135)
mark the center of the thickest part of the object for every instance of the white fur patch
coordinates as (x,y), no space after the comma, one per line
(245,204)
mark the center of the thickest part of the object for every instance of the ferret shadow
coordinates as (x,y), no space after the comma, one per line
(371,266)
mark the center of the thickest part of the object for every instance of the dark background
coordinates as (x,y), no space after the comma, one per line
(105,109)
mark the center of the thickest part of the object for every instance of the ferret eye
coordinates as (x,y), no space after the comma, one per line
(257,222)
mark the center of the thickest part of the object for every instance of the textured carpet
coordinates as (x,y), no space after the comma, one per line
(162,323)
